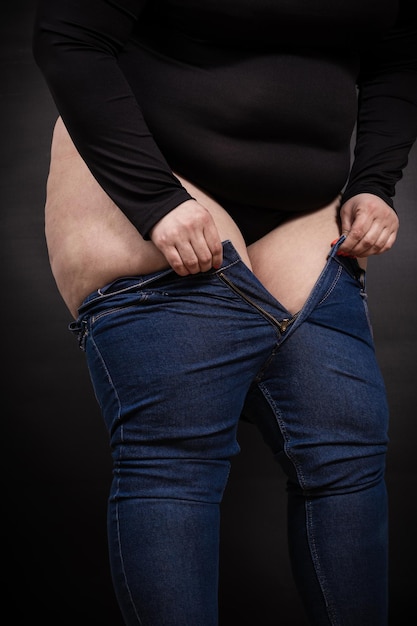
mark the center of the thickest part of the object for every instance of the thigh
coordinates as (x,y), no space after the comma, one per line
(321,403)
(171,359)
(322,408)
(289,259)
(90,241)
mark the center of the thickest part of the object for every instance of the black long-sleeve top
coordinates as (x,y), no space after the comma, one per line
(253,100)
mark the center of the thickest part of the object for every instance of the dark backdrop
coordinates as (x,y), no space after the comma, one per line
(56,464)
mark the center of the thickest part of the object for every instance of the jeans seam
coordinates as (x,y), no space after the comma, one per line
(115,309)
(286,439)
(321,579)
(122,561)
(332,286)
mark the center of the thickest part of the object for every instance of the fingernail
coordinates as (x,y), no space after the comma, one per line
(350,256)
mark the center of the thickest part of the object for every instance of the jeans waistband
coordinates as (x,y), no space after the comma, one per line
(131,283)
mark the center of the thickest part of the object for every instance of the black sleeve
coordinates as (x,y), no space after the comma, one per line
(75,44)
(387,115)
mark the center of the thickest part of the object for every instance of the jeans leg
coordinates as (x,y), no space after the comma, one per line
(171,364)
(321,406)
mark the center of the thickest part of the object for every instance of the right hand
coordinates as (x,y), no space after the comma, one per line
(188,238)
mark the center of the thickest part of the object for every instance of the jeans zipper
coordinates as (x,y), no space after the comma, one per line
(282,325)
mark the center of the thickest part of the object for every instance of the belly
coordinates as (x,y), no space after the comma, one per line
(271,130)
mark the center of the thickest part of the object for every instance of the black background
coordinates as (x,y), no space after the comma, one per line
(55,456)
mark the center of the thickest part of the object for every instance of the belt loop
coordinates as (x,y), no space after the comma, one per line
(79,328)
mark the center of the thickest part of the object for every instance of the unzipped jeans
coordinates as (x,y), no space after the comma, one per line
(175,362)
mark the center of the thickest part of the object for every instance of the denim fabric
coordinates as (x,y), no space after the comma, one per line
(175,363)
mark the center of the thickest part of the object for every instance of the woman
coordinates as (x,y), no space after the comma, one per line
(209,236)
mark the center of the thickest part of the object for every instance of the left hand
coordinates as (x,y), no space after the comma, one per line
(370,226)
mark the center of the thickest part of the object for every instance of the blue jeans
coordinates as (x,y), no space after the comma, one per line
(175,363)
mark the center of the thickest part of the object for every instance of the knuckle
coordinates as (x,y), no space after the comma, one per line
(217,248)
(356,234)
(206,259)
(389,244)
(368,241)
(192,263)
(205,215)
(161,239)
(177,264)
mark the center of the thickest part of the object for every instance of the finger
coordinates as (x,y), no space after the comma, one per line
(376,240)
(175,261)
(206,250)
(187,257)
(215,246)
(209,254)
(361,236)
(195,256)
(350,246)
(390,241)
(198,258)
(382,243)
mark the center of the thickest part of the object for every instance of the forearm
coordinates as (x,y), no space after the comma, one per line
(387,113)
(76,45)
